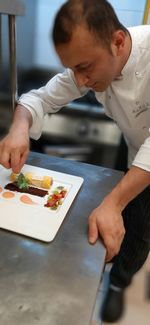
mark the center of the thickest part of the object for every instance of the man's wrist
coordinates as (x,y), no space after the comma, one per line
(133,183)
(22,120)
(114,200)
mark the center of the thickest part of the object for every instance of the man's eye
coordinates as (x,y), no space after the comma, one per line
(84,67)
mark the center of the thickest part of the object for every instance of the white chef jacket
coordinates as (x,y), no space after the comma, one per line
(126,100)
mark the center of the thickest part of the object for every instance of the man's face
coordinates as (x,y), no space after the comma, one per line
(94,65)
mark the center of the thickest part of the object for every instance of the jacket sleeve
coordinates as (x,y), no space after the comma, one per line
(142,158)
(59,91)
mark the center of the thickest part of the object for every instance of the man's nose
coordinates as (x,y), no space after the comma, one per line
(81,79)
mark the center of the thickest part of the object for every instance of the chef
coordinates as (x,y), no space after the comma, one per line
(100,54)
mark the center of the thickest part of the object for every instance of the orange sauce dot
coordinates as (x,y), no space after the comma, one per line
(26,199)
(1,189)
(8,195)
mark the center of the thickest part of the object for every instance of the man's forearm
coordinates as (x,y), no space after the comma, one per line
(133,183)
(22,119)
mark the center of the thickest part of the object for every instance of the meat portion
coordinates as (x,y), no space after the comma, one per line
(31,190)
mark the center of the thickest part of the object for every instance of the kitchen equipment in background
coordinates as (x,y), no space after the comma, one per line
(82,132)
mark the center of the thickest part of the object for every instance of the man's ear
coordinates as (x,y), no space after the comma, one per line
(118,42)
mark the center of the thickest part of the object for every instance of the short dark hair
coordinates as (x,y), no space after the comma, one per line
(98,15)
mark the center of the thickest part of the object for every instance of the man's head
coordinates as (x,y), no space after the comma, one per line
(89,39)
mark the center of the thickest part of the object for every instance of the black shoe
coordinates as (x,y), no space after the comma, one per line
(113,306)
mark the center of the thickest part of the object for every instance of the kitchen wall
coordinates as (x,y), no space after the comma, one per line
(129,12)
(44,54)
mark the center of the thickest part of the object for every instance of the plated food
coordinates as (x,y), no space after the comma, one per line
(55,199)
(27,179)
(32,184)
(38,217)
(30,189)
(22,183)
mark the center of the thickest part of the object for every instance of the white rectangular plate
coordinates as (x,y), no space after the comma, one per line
(35,220)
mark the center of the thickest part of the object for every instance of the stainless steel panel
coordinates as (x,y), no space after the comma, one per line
(82,129)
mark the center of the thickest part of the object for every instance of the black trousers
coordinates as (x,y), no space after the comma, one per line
(136,244)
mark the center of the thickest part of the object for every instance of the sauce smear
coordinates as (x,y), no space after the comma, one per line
(8,195)
(26,199)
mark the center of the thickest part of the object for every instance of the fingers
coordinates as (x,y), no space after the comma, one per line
(93,231)
(113,244)
(13,157)
(5,159)
(15,161)
(11,160)
(109,226)
(18,159)
(112,247)
(24,157)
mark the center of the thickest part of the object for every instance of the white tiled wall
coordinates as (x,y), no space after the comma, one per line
(132,5)
(130,13)
(44,54)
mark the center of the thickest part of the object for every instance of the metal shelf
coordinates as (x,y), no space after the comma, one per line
(12,7)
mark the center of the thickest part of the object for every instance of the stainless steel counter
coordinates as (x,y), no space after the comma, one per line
(56,283)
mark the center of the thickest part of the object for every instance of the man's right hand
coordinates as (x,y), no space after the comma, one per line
(14,148)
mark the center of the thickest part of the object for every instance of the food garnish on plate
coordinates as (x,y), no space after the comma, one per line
(22,183)
(56,198)
(29,178)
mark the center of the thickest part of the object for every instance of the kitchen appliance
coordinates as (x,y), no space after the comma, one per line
(81,131)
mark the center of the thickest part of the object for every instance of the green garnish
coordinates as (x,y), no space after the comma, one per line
(22,182)
(55,192)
